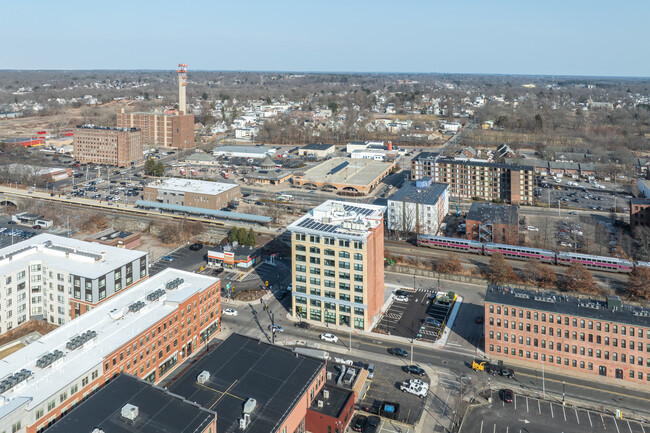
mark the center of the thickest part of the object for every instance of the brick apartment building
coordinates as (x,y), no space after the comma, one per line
(605,338)
(512,184)
(145,331)
(639,212)
(107,145)
(337,252)
(487,222)
(191,192)
(160,129)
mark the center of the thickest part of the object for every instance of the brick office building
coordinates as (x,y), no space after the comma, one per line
(144,331)
(193,193)
(487,222)
(639,213)
(107,145)
(337,252)
(605,338)
(510,183)
(160,129)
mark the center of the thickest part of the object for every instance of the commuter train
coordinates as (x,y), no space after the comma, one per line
(597,263)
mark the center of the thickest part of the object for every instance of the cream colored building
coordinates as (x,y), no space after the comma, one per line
(337,252)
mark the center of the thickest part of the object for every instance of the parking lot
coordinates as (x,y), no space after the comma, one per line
(418,317)
(384,387)
(584,199)
(183,258)
(527,414)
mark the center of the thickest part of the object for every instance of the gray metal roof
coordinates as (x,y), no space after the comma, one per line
(494,213)
(412,194)
(317,146)
(569,305)
(202,211)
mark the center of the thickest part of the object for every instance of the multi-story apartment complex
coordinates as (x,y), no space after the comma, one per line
(337,253)
(145,332)
(107,145)
(57,279)
(603,338)
(418,207)
(512,184)
(193,193)
(160,129)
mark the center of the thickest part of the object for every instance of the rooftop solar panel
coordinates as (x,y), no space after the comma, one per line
(338,168)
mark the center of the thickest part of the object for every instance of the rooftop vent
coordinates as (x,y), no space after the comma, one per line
(136,306)
(249,407)
(172,284)
(14,379)
(80,340)
(130,412)
(326,394)
(155,295)
(203,377)
(116,314)
(49,358)
(320,403)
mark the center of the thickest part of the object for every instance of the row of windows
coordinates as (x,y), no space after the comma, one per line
(589,324)
(330,316)
(316,239)
(572,348)
(566,362)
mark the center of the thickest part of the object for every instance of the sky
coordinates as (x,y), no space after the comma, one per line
(528,37)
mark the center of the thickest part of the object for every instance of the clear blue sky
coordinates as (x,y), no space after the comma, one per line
(550,37)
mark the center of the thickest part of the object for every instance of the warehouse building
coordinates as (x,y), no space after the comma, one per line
(57,278)
(255,152)
(418,207)
(488,222)
(131,405)
(192,193)
(337,252)
(345,174)
(604,338)
(145,331)
(317,150)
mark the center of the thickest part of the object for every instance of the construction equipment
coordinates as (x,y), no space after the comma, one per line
(456,204)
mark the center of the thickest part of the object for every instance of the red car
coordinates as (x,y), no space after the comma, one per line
(508,396)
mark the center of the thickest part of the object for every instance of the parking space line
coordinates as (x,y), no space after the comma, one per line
(481,431)
(551,404)
(494,430)
(515,401)
(578,419)
(642,429)
(616,424)
(603,421)
(590,423)
(629,426)
(527,405)
(539,407)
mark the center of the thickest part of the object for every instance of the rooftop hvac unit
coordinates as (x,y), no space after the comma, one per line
(130,412)
(250,405)
(97,430)
(203,377)
(320,403)
(326,394)
(329,375)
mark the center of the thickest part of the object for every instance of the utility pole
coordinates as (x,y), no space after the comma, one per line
(412,350)
(543,385)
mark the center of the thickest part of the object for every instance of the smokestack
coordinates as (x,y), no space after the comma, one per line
(182,86)
(390,146)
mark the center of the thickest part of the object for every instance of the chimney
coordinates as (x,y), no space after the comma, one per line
(182,86)
(390,146)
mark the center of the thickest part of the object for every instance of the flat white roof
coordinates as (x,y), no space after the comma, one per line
(340,219)
(86,259)
(112,333)
(193,185)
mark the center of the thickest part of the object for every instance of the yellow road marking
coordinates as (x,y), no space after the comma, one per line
(221,392)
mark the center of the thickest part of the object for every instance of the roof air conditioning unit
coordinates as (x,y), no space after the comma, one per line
(130,412)
(203,377)
(329,375)
(320,403)
(326,394)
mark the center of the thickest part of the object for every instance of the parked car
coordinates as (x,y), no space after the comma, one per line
(36,227)
(167,258)
(196,246)
(402,298)
(372,424)
(508,396)
(398,351)
(330,338)
(507,372)
(303,325)
(414,369)
(359,422)
(432,321)
(276,328)
(230,312)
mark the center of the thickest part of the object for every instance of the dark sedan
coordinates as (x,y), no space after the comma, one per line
(398,351)
(414,369)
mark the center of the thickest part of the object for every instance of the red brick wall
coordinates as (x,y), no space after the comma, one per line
(529,334)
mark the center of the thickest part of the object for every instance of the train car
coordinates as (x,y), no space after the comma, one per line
(598,263)
(642,264)
(519,253)
(454,244)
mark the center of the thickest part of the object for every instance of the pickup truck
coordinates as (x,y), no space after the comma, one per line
(414,388)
